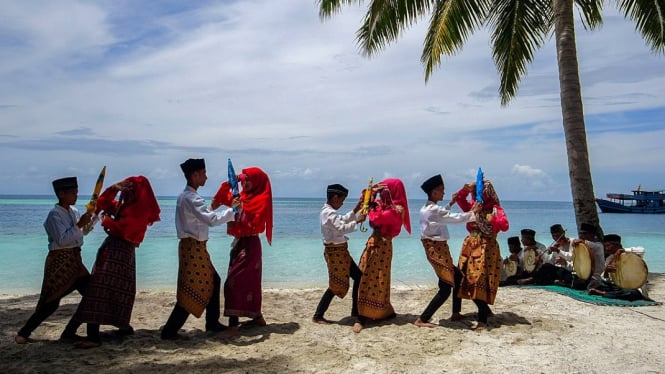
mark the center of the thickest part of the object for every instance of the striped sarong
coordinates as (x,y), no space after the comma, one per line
(109,299)
(62,269)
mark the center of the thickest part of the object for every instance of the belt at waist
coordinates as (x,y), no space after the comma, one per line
(188,239)
(434,240)
(66,249)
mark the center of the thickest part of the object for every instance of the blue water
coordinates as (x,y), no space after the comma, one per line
(295,258)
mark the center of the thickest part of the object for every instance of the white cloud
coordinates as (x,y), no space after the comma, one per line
(268,84)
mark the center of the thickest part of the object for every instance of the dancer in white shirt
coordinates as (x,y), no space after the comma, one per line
(340,264)
(198,281)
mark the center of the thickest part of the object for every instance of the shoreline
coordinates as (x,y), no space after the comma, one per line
(533,331)
(279,287)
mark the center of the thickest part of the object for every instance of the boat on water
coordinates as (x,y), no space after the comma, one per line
(641,201)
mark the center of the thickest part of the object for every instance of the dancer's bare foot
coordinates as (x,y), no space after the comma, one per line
(321,320)
(420,323)
(357,327)
(456,317)
(230,333)
(258,321)
(479,327)
(22,339)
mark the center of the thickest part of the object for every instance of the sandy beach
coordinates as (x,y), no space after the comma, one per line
(533,331)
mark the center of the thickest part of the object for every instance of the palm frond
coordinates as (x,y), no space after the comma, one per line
(520,27)
(592,13)
(451,24)
(386,19)
(649,17)
(327,8)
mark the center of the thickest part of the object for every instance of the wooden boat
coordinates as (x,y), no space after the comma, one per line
(641,201)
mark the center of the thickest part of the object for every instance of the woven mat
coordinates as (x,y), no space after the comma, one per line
(584,296)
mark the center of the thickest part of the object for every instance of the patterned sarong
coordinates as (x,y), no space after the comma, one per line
(438,255)
(481,265)
(109,299)
(242,289)
(62,269)
(374,290)
(339,261)
(195,276)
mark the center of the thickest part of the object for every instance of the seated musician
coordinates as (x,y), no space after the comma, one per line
(604,285)
(528,238)
(558,266)
(515,248)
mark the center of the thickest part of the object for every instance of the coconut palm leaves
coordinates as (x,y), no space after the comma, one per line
(518,28)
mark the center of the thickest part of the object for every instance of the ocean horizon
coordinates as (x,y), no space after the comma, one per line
(295,258)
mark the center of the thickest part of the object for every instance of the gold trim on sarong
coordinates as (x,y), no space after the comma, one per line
(438,255)
(63,267)
(374,289)
(195,276)
(339,261)
(480,263)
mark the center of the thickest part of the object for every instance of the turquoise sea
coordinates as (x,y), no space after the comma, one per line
(295,258)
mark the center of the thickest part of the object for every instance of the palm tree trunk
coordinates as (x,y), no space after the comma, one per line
(579,170)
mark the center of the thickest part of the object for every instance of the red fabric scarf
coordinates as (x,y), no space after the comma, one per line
(398,197)
(256,214)
(129,216)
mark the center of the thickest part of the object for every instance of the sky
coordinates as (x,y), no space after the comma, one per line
(142,86)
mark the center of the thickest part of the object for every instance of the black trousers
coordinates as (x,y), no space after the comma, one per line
(327,297)
(441,296)
(45,310)
(549,273)
(179,315)
(483,310)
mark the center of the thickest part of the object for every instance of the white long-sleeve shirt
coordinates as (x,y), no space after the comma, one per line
(434,219)
(335,226)
(61,229)
(565,252)
(193,217)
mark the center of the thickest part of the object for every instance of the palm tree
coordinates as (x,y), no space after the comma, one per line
(519,27)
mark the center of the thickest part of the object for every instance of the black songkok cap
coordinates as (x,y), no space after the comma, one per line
(192,165)
(612,238)
(556,228)
(588,228)
(432,183)
(65,184)
(528,232)
(514,240)
(337,189)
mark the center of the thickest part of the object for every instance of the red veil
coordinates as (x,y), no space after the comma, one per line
(256,214)
(384,216)
(129,216)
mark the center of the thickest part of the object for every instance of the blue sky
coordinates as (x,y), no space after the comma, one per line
(142,86)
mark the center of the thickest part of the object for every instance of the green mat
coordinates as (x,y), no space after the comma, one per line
(594,299)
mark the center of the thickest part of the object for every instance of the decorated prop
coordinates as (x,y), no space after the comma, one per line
(233,181)
(365,206)
(480,186)
(91,206)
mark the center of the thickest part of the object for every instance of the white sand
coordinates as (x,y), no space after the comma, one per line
(534,331)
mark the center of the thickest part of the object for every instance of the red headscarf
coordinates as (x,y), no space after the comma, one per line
(398,196)
(491,203)
(256,214)
(129,216)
